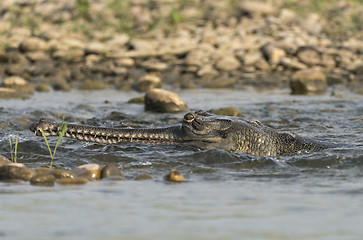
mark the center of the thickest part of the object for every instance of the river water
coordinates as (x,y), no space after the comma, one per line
(315,195)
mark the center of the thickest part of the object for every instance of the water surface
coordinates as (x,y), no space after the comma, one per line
(315,195)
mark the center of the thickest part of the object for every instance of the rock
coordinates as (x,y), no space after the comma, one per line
(221,82)
(174,176)
(154,65)
(37,56)
(93,85)
(33,44)
(144,176)
(16,171)
(72,181)
(71,55)
(147,82)
(160,100)
(273,54)
(96,48)
(14,81)
(62,174)
(228,63)
(42,171)
(308,81)
(43,180)
(207,69)
(138,100)
(61,86)
(4,160)
(292,64)
(42,88)
(110,170)
(125,62)
(309,56)
(91,171)
(227,111)
(256,9)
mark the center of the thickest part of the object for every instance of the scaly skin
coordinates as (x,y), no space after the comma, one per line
(199,129)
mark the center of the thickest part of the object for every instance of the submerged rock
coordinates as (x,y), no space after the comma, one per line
(62,174)
(111,171)
(144,176)
(160,100)
(43,180)
(91,171)
(227,111)
(16,171)
(174,176)
(308,81)
(72,181)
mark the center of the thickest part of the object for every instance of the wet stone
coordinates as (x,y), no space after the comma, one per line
(144,176)
(43,180)
(91,171)
(138,100)
(63,174)
(174,176)
(308,81)
(41,171)
(110,170)
(16,171)
(4,160)
(92,85)
(227,111)
(72,181)
(160,100)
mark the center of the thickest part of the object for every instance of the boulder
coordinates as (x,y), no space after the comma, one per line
(228,63)
(160,100)
(16,171)
(308,81)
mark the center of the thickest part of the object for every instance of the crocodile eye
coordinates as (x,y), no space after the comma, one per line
(189,117)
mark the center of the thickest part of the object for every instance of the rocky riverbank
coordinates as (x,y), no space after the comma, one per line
(62,45)
(14,172)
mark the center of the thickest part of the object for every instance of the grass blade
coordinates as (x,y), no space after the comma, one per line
(16,147)
(46,142)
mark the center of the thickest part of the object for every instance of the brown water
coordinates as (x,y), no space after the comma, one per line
(227,196)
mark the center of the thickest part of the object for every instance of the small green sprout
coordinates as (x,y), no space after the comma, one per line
(13,149)
(60,136)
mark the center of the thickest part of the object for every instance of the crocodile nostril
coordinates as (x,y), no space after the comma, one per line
(189,117)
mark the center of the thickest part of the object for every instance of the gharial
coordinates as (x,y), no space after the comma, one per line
(198,129)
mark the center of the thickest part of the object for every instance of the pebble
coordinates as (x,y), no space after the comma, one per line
(160,100)
(174,176)
(144,176)
(110,170)
(227,111)
(43,180)
(16,171)
(91,171)
(62,174)
(72,181)
(41,171)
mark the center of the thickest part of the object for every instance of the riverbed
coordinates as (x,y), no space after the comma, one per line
(317,195)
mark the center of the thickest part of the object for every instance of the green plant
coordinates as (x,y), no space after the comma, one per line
(13,149)
(60,136)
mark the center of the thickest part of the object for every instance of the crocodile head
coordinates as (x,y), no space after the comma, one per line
(206,131)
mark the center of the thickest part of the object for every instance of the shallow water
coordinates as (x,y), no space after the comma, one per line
(315,195)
